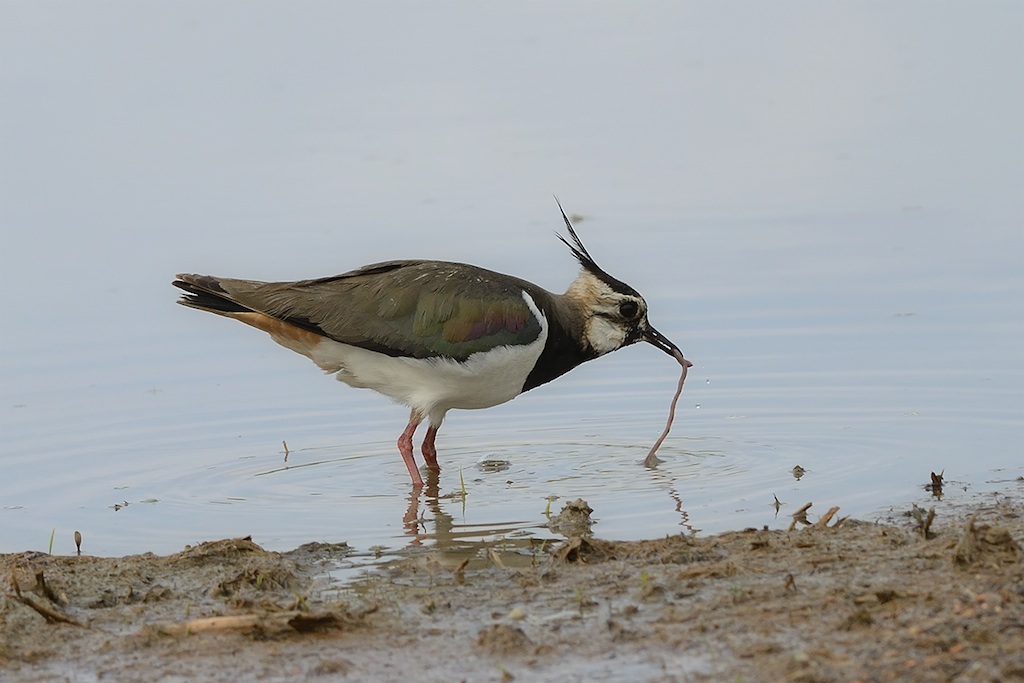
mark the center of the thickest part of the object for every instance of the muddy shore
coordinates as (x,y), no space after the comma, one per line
(830,600)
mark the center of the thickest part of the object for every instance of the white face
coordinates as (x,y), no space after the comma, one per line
(614,320)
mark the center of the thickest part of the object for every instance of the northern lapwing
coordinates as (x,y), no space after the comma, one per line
(435,335)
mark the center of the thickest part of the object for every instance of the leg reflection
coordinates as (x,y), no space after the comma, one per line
(412,521)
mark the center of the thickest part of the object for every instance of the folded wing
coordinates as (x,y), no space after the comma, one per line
(400,308)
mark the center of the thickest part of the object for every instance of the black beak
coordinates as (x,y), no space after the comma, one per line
(652,336)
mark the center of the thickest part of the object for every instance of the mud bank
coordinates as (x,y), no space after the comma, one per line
(842,600)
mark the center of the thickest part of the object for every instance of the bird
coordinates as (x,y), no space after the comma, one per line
(437,335)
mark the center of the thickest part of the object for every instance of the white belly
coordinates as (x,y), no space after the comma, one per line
(436,385)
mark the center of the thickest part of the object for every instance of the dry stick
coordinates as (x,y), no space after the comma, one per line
(47,613)
(44,589)
(800,516)
(652,459)
(223,623)
(928,523)
(300,621)
(827,517)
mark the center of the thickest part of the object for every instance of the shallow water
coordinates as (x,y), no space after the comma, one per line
(860,315)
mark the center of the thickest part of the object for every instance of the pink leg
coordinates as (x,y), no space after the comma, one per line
(405,448)
(428,449)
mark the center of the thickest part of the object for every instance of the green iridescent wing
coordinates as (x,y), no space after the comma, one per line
(420,309)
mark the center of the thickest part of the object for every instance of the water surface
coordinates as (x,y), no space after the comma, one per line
(830,227)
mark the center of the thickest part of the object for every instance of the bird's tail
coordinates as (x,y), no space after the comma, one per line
(205,293)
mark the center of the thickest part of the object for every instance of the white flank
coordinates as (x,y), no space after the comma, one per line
(436,385)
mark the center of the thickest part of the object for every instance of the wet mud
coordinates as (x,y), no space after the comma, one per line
(828,600)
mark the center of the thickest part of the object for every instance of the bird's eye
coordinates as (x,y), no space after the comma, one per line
(628,309)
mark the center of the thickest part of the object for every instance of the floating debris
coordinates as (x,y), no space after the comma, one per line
(573,520)
(936,484)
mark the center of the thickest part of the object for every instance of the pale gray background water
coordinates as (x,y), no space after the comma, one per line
(822,203)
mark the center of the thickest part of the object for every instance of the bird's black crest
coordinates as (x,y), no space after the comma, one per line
(587,261)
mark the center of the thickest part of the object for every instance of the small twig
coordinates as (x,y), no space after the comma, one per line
(826,518)
(299,620)
(221,623)
(926,527)
(800,516)
(496,558)
(44,589)
(47,613)
(460,572)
